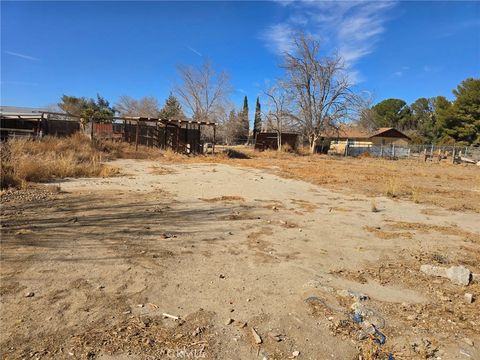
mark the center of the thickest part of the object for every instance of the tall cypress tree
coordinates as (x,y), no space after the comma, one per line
(257,124)
(245,121)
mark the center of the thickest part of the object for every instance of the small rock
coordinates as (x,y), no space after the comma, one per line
(221,276)
(256,337)
(433,270)
(29,294)
(459,275)
(140,305)
(242,324)
(468,298)
(476,278)
(228,321)
(274,336)
(468,341)
(296,353)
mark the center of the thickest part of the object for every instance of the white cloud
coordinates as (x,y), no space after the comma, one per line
(350,28)
(278,38)
(23,56)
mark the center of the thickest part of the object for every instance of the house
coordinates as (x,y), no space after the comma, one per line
(356,136)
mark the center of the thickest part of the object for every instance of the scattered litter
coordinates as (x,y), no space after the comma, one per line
(296,353)
(30,294)
(168,235)
(358,296)
(170,316)
(366,313)
(463,352)
(357,317)
(256,337)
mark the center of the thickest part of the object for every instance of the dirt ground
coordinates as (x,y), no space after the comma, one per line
(234,252)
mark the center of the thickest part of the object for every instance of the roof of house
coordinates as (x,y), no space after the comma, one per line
(356,132)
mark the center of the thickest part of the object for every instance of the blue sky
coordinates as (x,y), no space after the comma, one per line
(393,49)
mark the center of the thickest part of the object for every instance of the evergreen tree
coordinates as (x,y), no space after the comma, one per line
(392,113)
(172,109)
(244,120)
(463,122)
(257,124)
(98,110)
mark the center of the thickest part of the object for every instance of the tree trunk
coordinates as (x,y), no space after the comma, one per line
(313,141)
(279,141)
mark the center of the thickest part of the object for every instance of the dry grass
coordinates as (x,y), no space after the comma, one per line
(446,229)
(122,150)
(51,158)
(381,234)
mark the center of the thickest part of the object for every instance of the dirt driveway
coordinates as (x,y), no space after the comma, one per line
(233,253)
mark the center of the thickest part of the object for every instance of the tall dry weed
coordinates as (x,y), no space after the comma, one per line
(27,160)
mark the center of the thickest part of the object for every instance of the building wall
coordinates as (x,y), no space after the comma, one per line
(379,140)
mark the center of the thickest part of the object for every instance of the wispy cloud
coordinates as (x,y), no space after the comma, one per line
(278,38)
(350,28)
(23,56)
(194,50)
(431,69)
(400,73)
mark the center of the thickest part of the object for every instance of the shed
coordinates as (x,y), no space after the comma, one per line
(268,140)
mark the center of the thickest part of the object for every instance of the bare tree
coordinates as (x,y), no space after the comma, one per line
(319,86)
(203,91)
(366,116)
(144,107)
(278,117)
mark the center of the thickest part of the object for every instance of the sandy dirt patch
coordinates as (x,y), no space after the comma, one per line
(88,272)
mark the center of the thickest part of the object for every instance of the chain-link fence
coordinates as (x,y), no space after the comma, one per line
(430,150)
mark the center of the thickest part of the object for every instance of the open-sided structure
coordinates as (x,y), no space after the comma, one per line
(180,135)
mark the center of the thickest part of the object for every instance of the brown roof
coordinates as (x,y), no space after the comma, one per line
(357,132)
